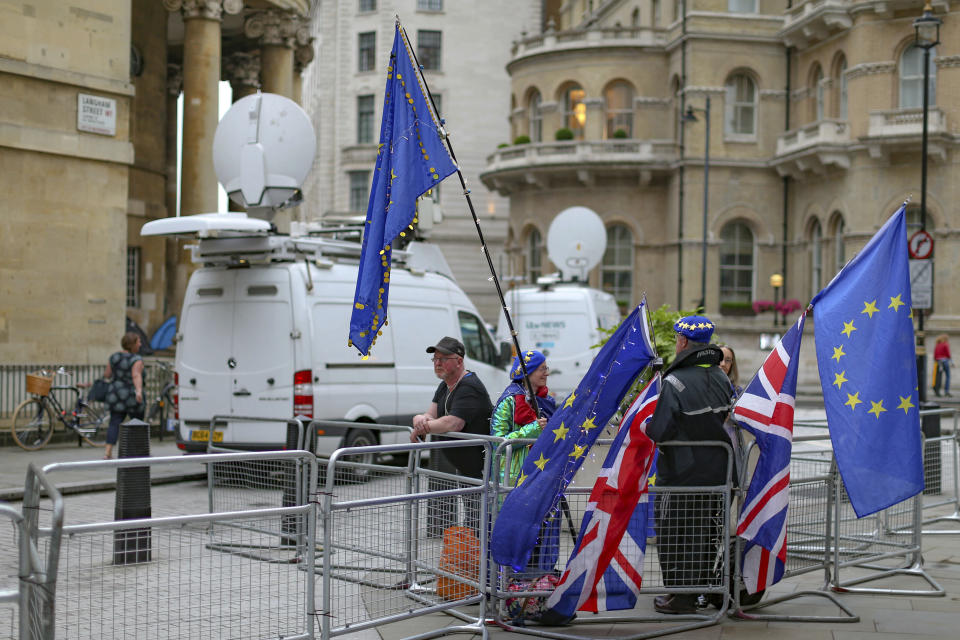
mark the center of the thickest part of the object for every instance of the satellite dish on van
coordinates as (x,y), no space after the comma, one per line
(576,242)
(262,152)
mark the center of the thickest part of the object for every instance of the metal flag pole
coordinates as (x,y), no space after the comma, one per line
(483,244)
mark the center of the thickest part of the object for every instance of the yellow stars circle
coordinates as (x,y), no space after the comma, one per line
(870,308)
(895,303)
(848,328)
(541,462)
(905,404)
(876,408)
(839,379)
(853,400)
(589,424)
(837,353)
(570,399)
(578,450)
(560,432)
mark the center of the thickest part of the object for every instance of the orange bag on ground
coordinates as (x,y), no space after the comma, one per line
(460,556)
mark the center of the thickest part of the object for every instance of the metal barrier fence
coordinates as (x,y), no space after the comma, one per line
(204,575)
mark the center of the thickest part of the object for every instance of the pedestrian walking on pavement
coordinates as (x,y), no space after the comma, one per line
(941,356)
(125,392)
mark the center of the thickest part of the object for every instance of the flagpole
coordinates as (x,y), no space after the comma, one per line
(466,194)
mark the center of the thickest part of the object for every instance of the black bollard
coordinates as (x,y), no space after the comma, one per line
(131,546)
(289,525)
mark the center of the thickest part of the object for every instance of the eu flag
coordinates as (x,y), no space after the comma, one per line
(562,447)
(411,159)
(868,372)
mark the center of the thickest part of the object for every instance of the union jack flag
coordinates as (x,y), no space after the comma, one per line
(766,410)
(602,573)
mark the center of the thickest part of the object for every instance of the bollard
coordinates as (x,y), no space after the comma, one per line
(131,546)
(930,424)
(289,525)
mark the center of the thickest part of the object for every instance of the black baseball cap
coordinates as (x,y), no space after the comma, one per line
(448,345)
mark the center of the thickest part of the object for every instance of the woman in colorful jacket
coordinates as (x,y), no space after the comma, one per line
(513,417)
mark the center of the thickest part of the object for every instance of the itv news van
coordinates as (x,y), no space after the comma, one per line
(263,333)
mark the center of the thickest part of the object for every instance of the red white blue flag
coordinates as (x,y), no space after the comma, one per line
(603,572)
(766,410)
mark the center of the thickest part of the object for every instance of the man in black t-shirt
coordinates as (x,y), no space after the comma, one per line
(460,403)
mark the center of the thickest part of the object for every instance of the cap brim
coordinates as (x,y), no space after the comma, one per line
(442,350)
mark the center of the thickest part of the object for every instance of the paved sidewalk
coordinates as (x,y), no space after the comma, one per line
(14,462)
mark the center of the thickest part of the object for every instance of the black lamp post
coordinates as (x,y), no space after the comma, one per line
(690,117)
(776,281)
(927,29)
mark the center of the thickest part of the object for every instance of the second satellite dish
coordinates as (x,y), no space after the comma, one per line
(576,242)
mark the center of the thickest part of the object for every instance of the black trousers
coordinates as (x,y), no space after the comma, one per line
(689,531)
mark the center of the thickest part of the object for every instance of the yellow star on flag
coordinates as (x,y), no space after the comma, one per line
(522,477)
(905,404)
(561,433)
(541,462)
(839,379)
(848,328)
(578,451)
(837,353)
(589,424)
(870,308)
(876,408)
(652,480)
(895,303)
(853,400)
(570,399)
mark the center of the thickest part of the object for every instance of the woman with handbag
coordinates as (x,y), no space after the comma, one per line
(125,393)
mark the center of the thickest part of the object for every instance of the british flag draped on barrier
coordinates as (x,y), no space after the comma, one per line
(603,572)
(766,410)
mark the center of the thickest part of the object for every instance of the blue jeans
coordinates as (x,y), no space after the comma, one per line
(943,376)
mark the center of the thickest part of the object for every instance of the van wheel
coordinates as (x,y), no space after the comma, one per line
(359,438)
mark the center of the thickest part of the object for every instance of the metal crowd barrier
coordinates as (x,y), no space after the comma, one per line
(181,584)
(382,563)
(864,543)
(709,506)
(809,528)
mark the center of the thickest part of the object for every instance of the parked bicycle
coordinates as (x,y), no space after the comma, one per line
(33,419)
(161,411)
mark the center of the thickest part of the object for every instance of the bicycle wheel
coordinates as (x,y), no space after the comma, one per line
(32,424)
(92,425)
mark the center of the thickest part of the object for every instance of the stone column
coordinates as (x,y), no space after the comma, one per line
(171,256)
(278,33)
(596,119)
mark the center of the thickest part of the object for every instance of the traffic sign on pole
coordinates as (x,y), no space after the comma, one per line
(921,284)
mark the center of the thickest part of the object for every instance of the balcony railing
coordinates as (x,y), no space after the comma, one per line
(583,151)
(811,21)
(818,133)
(905,122)
(814,147)
(550,41)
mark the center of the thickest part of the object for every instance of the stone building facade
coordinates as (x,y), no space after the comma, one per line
(815,125)
(464,48)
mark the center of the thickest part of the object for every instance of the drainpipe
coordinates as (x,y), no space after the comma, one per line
(786,182)
(679,125)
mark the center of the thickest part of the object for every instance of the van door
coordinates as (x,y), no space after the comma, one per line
(481,353)
(261,362)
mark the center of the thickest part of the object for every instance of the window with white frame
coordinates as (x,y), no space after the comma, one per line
(911,78)
(655,11)
(619,100)
(616,268)
(429,49)
(535,117)
(366,50)
(741,106)
(818,88)
(534,256)
(364,119)
(839,246)
(133,277)
(842,80)
(429,5)
(359,190)
(575,110)
(742,6)
(736,263)
(816,258)
(368,5)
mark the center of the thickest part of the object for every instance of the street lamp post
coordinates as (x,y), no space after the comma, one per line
(927,36)
(690,117)
(776,281)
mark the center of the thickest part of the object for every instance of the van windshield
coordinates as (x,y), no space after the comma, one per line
(560,335)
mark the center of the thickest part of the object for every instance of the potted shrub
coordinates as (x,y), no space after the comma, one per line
(521,139)
(620,133)
(564,133)
(502,145)
(738,308)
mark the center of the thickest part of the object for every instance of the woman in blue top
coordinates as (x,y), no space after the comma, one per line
(125,393)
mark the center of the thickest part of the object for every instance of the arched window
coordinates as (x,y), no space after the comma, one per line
(635,17)
(534,256)
(818,90)
(616,271)
(841,82)
(575,110)
(655,10)
(816,258)
(912,214)
(741,106)
(839,248)
(535,117)
(736,263)
(911,78)
(619,99)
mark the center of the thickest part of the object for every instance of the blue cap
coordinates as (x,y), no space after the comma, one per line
(532,360)
(696,328)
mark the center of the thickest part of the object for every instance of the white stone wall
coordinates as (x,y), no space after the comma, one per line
(475,94)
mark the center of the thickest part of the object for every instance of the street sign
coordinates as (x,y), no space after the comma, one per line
(920,245)
(921,283)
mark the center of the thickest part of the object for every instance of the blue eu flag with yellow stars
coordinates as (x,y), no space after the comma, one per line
(865,352)
(411,159)
(562,447)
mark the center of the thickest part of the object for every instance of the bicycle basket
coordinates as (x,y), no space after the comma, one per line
(39,384)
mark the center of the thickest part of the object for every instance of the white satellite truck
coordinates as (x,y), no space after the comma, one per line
(264,325)
(560,316)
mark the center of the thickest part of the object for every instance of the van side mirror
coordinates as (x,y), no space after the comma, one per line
(506,354)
